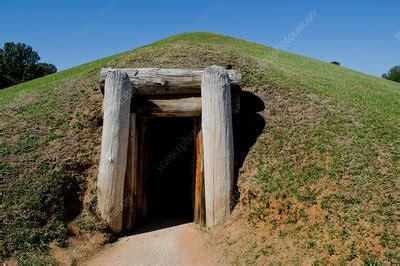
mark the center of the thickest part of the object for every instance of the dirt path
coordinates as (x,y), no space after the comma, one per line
(177,245)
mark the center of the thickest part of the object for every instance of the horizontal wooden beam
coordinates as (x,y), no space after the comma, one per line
(166,81)
(175,107)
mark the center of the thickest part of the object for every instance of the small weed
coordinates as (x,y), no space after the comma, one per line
(371,262)
(282,234)
(61,242)
(267,250)
(311,244)
(94,87)
(274,223)
(308,196)
(296,261)
(78,222)
(26,143)
(51,137)
(352,254)
(5,149)
(330,248)
(325,203)
(255,214)
(367,260)
(6,169)
(318,263)
(291,218)
(392,257)
(78,126)
(303,214)
(344,234)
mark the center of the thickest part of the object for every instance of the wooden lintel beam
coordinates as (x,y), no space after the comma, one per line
(176,107)
(166,81)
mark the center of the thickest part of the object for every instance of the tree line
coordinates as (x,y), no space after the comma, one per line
(20,63)
(393,74)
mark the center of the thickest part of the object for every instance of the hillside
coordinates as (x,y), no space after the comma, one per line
(320,184)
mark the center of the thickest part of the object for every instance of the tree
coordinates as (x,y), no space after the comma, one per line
(335,63)
(43,69)
(393,74)
(19,63)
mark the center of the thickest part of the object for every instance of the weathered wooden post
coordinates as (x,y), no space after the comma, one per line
(131,176)
(218,143)
(114,148)
(199,200)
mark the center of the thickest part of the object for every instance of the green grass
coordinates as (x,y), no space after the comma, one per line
(377,95)
(331,144)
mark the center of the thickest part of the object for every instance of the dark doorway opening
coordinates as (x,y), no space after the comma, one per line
(169,188)
(170,167)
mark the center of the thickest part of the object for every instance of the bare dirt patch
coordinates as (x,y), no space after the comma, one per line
(178,245)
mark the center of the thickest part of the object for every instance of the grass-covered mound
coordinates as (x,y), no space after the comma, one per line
(319,185)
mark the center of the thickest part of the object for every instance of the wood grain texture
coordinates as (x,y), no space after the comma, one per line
(114,148)
(140,180)
(176,106)
(167,81)
(199,200)
(131,175)
(218,143)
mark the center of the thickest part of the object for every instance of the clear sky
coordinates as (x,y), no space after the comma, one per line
(362,35)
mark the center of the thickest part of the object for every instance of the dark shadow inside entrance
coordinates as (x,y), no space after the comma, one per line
(168,160)
(170,167)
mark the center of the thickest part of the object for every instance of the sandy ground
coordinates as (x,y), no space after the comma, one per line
(177,245)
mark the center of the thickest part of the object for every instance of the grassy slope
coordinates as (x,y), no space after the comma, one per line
(326,163)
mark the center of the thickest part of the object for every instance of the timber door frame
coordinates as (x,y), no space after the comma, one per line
(133,95)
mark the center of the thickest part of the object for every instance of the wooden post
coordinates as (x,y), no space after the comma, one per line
(141,178)
(131,175)
(114,148)
(199,201)
(218,143)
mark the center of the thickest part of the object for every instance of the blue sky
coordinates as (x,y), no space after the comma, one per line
(362,35)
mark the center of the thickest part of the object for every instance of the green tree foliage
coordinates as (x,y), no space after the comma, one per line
(335,63)
(19,63)
(393,74)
